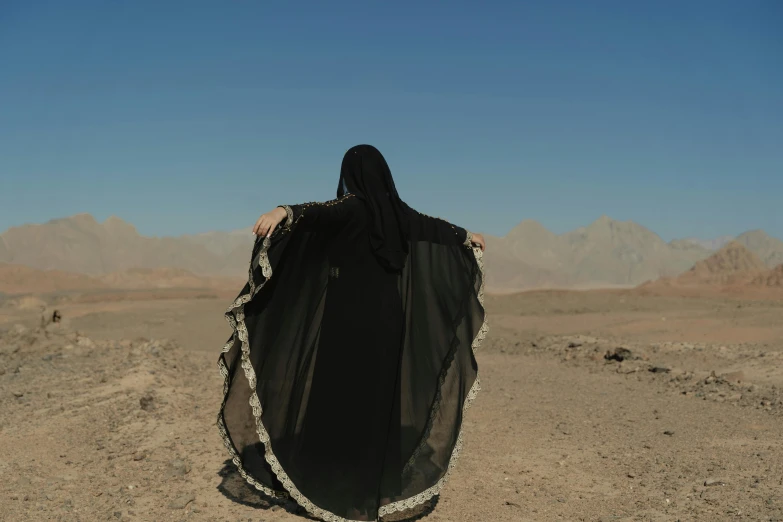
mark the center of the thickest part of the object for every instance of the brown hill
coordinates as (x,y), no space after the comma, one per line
(732,271)
(81,244)
(606,253)
(732,264)
(770,279)
(19,279)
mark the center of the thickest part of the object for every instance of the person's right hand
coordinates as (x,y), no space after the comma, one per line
(479,241)
(267,223)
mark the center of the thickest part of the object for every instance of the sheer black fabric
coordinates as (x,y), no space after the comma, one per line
(346,380)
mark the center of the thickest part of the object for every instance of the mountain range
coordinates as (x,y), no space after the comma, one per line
(733,269)
(81,244)
(606,253)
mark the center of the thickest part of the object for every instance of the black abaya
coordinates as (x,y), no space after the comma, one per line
(351,362)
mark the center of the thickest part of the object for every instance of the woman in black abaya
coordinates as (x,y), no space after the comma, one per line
(352,358)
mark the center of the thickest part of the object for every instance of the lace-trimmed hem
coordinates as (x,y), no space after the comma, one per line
(236,318)
(436,403)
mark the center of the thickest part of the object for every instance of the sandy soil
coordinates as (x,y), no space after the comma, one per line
(608,406)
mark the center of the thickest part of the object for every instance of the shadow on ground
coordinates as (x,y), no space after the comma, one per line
(235,488)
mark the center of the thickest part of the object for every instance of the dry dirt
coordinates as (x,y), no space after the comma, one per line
(610,406)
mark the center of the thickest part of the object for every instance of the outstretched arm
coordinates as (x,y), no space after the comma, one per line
(306,214)
(441,231)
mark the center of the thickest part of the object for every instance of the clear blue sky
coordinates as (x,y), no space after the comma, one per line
(188,116)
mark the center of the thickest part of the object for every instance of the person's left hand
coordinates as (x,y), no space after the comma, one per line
(478,240)
(267,222)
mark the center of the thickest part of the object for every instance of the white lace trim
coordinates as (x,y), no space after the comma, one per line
(468,239)
(238,304)
(236,318)
(427,494)
(235,458)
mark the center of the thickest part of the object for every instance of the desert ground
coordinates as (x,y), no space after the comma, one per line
(596,405)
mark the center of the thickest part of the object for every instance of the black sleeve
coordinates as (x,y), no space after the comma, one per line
(313,215)
(437,230)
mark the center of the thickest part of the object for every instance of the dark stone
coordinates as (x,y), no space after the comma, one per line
(619,354)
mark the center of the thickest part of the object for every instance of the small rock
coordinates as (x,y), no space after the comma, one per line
(669,433)
(182,501)
(738,376)
(659,369)
(513,504)
(714,482)
(147,402)
(18,395)
(619,354)
(139,456)
(85,342)
(178,468)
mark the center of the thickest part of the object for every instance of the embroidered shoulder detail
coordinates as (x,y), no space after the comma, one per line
(468,239)
(329,203)
(453,227)
(295,212)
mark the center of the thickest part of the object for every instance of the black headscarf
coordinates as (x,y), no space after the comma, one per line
(366,175)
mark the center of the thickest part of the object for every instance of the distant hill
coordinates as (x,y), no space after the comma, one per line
(732,264)
(768,248)
(771,279)
(732,270)
(80,244)
(606,253)
(708,244)
(20,279)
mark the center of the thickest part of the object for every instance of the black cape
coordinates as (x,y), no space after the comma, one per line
(352,359)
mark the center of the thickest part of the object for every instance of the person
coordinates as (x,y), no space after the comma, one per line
(351,361)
